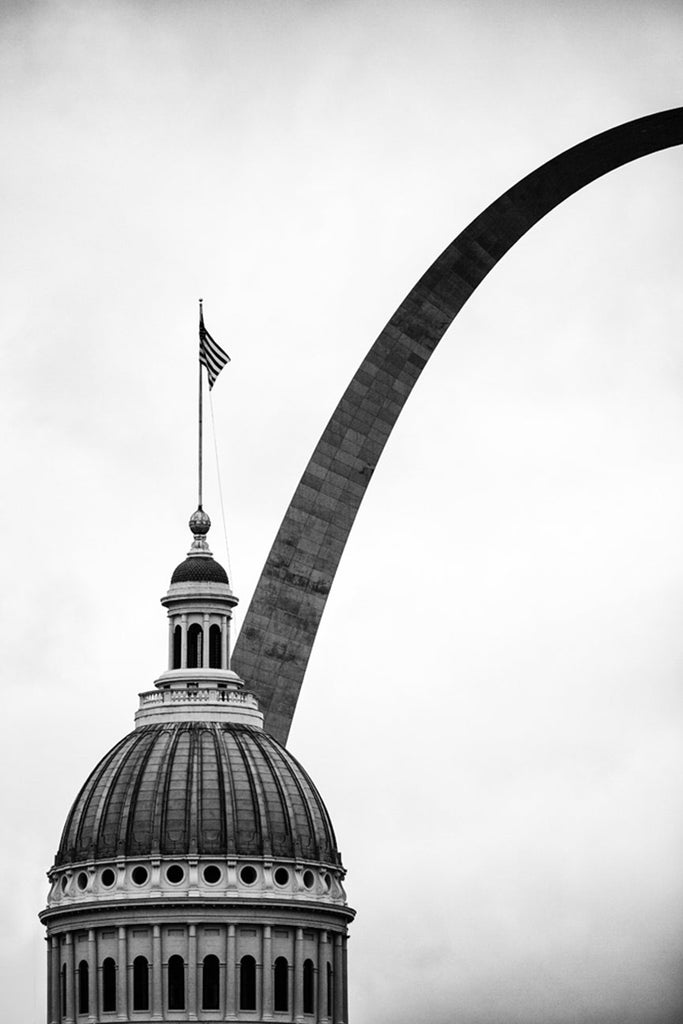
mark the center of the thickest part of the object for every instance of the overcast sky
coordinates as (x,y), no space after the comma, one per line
(494,707)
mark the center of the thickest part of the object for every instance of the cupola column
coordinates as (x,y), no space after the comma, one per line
(171,630)
(183,641)
(205,639)
(225,642)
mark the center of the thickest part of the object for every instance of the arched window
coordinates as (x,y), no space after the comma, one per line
(247,983)
(140,983)
(215,647)
(281,985)
(210,983)
(176,983)
(177,646)
(195,646)
(83,1001)
(330,990)
(62,986)
(108,985)
(309,1005)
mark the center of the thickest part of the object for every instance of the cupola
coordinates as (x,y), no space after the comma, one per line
(199,684)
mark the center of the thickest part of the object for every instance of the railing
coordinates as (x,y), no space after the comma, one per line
(192,696)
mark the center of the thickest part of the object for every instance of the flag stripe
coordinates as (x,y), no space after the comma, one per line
(211,355)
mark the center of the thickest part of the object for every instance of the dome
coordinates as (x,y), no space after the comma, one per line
(196,788)
(198,569)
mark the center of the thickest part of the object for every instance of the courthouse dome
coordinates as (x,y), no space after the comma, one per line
(197,788)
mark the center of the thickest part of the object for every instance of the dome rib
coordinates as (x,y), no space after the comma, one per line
(259,804)
(87,796)
(229,797)
(287,808)
(197,788)
(131,797)
(159,803)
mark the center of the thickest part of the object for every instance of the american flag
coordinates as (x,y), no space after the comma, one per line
(210,353)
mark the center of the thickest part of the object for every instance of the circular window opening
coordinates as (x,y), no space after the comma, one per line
(212,874)
(309,879)
(175,874)
(281,876)
(82,880)
(108,877)
(328,882)
(248,875)
(140,875)
(65,882)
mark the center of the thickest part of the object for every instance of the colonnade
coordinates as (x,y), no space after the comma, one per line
(67,950)
(179,658)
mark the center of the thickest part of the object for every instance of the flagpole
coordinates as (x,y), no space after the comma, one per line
(201,320)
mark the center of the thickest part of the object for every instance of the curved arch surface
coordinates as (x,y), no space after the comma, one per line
(282,620)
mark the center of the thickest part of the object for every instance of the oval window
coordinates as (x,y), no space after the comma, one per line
(281,876)
(140,875)
(248,874)
(309,879)
(212,874)
(82,880)
(108,877)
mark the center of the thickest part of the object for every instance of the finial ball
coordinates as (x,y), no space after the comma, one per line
(199,522)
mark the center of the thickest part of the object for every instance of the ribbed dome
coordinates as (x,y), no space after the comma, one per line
(199,568)
(198,788)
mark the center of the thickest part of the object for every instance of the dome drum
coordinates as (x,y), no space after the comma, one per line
(227,968)
(169,878)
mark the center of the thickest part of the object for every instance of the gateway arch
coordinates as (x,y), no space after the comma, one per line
(281,623)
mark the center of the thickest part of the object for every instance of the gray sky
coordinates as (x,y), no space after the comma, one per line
(493,710)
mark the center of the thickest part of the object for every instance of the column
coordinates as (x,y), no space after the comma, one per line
(298,979)
(122,977)
(338,1007)
(53,965)
(192,969)
(170,642)
(157,971)
(345,977)
(183,641)
(205,641)
(322,975)
(93,1003)
(267,979)
(225,650)
(231,976)
(70,978)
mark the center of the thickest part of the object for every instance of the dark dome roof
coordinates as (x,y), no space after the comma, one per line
(198,788)
(198,568)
